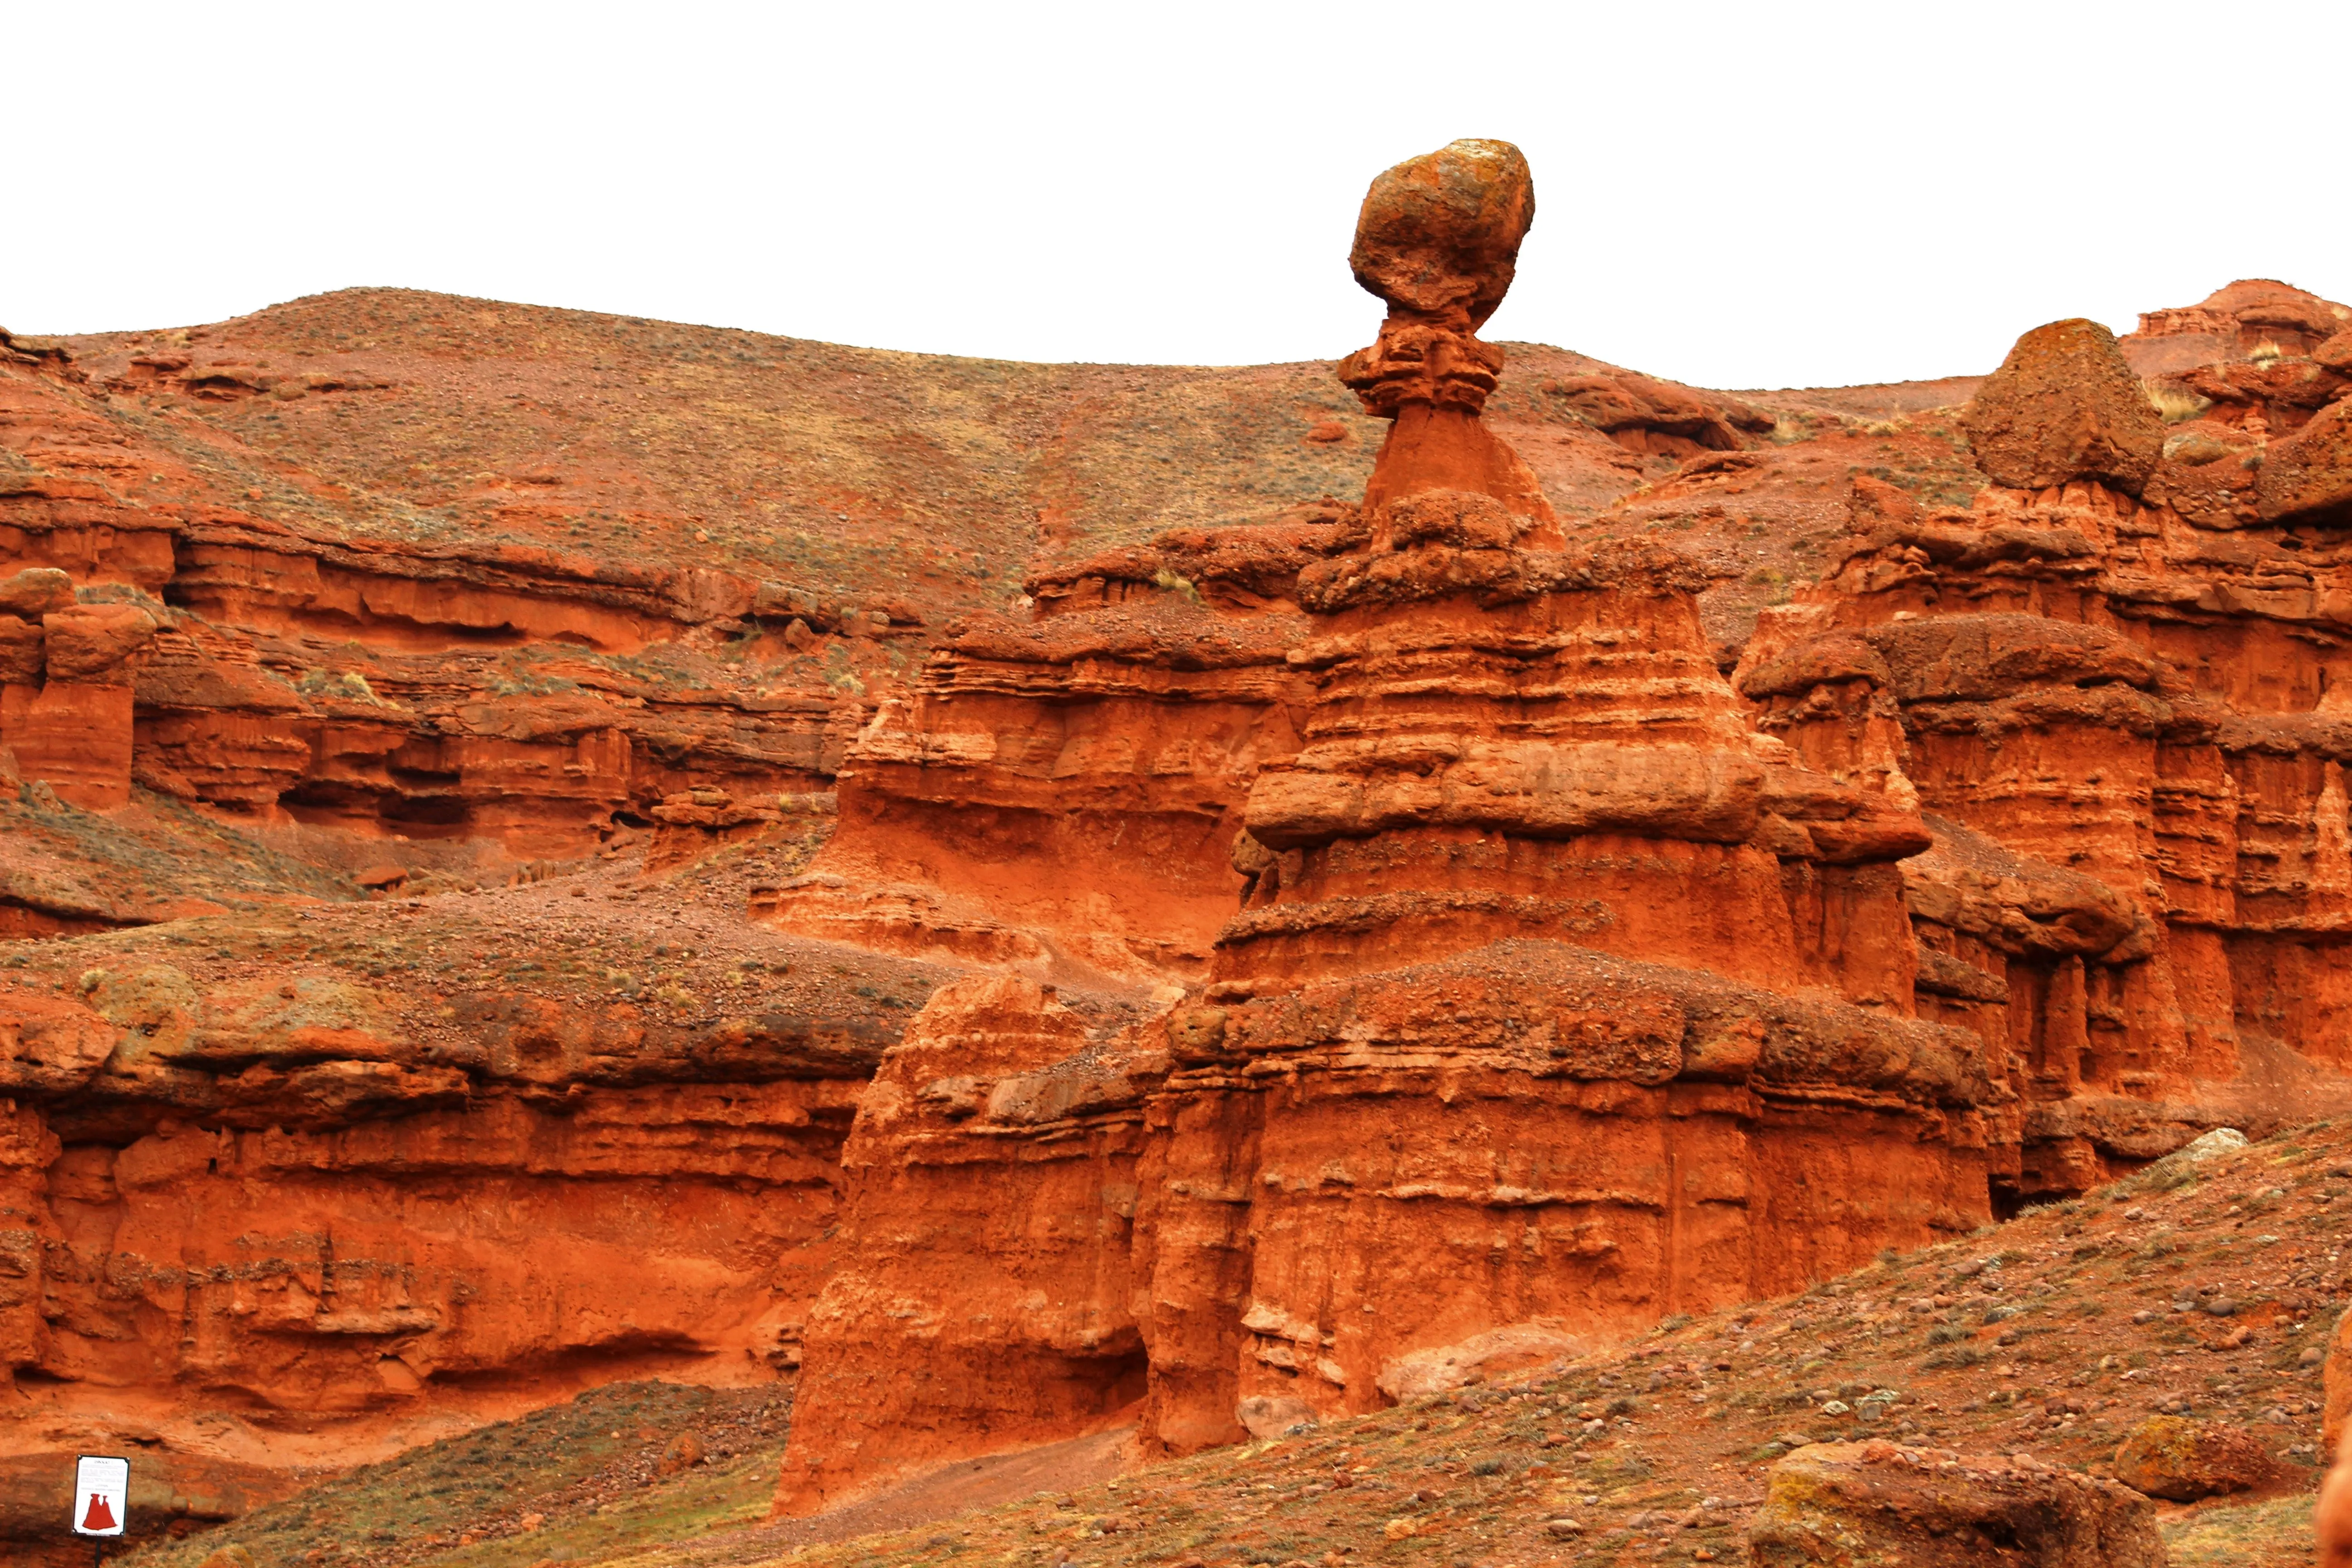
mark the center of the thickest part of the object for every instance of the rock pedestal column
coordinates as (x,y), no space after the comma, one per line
(1438,239)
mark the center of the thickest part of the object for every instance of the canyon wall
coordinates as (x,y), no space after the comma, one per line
(257,1226)
(2112,676)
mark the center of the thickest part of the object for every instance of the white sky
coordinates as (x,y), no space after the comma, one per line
(1732,194)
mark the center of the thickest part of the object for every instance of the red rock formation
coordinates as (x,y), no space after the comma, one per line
(2234,322)
(1559,999)
(1062,793)
(209,654)
(73,736)
(2063,406)
(1549,752)
(993,1173)
(365,1208)
(1513,979)
(2306,478)
(2107,690)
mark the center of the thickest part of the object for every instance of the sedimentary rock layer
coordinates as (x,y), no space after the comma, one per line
(1261,1211)
(276,1220)
(217,656)
(2127,703)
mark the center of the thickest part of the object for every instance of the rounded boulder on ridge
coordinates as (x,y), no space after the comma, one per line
(2065,405)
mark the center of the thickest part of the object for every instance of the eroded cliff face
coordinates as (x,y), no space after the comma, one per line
(264,1213)
(1062,795)
(2120,700)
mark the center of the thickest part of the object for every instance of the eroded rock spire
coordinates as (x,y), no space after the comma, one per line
(1438,239)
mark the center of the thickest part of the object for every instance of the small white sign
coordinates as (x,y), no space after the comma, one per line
(101,1495)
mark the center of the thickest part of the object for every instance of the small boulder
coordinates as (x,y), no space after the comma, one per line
(1844,1505)
(1485,1357)
(1264,1416)
(2174,1458)
(93,642)
(35,592)
(2337,1377)
(2064,406)
(2207,1146)
(2307,477)
(685,1452)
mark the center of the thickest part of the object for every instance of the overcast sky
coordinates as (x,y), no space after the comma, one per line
(1731,194)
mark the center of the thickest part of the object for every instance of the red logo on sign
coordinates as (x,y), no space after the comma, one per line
(100,1515)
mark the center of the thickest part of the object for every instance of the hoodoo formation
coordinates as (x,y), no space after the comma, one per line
(540,852)
(1557,999)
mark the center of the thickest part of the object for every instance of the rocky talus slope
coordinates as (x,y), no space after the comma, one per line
(1052,905)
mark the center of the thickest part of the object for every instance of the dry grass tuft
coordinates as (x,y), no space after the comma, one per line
(2174,403)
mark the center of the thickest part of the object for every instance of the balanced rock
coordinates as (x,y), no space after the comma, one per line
(36,591)
(1439,234)
(1438,239)
(92,642)
(2174,1458)
(2064,406)
(1843,1505)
